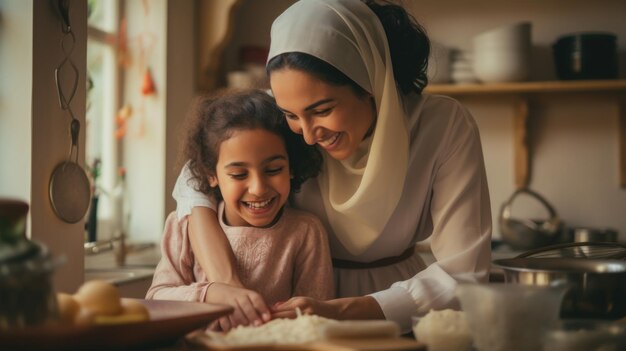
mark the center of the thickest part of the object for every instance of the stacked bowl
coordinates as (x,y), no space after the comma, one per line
(503,54)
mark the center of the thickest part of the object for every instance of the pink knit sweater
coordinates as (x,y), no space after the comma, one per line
(291,258)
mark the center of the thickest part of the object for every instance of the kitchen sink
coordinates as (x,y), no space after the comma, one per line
(119,275)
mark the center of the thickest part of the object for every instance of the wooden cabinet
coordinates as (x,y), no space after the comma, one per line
(525,91)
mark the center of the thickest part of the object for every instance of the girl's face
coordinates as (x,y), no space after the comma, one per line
(253,175)
(333,117)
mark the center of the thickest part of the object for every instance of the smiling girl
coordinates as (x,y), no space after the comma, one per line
(241,152)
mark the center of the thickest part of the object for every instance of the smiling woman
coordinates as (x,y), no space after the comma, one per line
(331,116)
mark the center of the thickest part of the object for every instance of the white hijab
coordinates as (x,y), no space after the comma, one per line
(361,192)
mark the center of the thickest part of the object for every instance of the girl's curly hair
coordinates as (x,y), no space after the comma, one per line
(217,116)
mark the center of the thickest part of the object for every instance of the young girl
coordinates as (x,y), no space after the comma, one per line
(242,153)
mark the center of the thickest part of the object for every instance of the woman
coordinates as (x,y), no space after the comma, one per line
(399,166)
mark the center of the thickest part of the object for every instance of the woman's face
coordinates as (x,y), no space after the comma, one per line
(253,175)
(333,117)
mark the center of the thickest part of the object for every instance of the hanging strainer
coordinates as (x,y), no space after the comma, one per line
(589,250)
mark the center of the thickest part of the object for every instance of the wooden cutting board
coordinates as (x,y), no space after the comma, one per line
(352,344)
(378,344)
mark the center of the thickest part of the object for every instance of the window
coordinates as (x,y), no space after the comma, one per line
(103,95)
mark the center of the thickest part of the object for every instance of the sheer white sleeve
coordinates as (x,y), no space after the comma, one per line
(187,197)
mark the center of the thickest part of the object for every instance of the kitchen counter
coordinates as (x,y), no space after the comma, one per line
(145,258)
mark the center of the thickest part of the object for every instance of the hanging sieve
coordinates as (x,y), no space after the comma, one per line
(69,186)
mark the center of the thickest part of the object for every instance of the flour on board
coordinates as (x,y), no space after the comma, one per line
(302,329)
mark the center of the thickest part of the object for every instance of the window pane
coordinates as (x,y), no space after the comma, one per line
(102,14)
(102,105)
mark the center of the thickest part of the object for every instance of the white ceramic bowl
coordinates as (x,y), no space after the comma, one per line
(501,66)
(517,35)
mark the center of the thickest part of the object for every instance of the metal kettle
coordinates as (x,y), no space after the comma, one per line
(526,234)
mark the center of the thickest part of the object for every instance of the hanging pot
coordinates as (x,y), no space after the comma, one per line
(526,234)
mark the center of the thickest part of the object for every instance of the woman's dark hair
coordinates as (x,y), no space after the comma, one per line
(216,117)
(409,47)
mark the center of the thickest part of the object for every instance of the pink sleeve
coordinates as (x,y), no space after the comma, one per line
(313,275)
(174,278)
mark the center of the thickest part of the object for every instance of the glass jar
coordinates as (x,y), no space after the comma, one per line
(27,296)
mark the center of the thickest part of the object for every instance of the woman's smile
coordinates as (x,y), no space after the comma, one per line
(330,142)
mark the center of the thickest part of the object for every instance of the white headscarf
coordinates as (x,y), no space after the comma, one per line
(361,192)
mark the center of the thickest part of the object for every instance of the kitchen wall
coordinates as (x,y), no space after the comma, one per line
(34,136)
(574,137)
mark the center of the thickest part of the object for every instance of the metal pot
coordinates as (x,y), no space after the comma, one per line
(526,234)
(596,287)
(585,234)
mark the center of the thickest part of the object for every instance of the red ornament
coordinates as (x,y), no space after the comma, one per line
(148,87)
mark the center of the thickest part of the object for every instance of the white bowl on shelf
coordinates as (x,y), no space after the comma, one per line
(514,36)
(501,66)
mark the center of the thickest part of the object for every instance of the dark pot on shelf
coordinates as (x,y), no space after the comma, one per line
(586,56)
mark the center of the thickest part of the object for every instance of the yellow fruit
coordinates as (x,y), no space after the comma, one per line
(84,317)
(68,308)
(134,307)
(100,297)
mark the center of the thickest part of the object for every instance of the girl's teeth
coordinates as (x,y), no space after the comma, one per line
(329,141)
(257,205)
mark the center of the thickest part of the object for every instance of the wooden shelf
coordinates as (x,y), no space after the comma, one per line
(521,115)
(529,87)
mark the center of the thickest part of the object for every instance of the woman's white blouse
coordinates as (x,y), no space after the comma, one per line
(445,199)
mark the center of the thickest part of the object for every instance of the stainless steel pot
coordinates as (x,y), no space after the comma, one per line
(597,288)
(586,234)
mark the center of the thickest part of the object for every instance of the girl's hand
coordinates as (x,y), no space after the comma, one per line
(306,305)
(250,308)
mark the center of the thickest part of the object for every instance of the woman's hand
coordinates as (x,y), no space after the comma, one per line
(364,307)
(250,308)
(306,305)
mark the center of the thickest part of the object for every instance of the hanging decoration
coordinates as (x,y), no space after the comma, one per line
(148,87)
(69,187)
(121,119)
